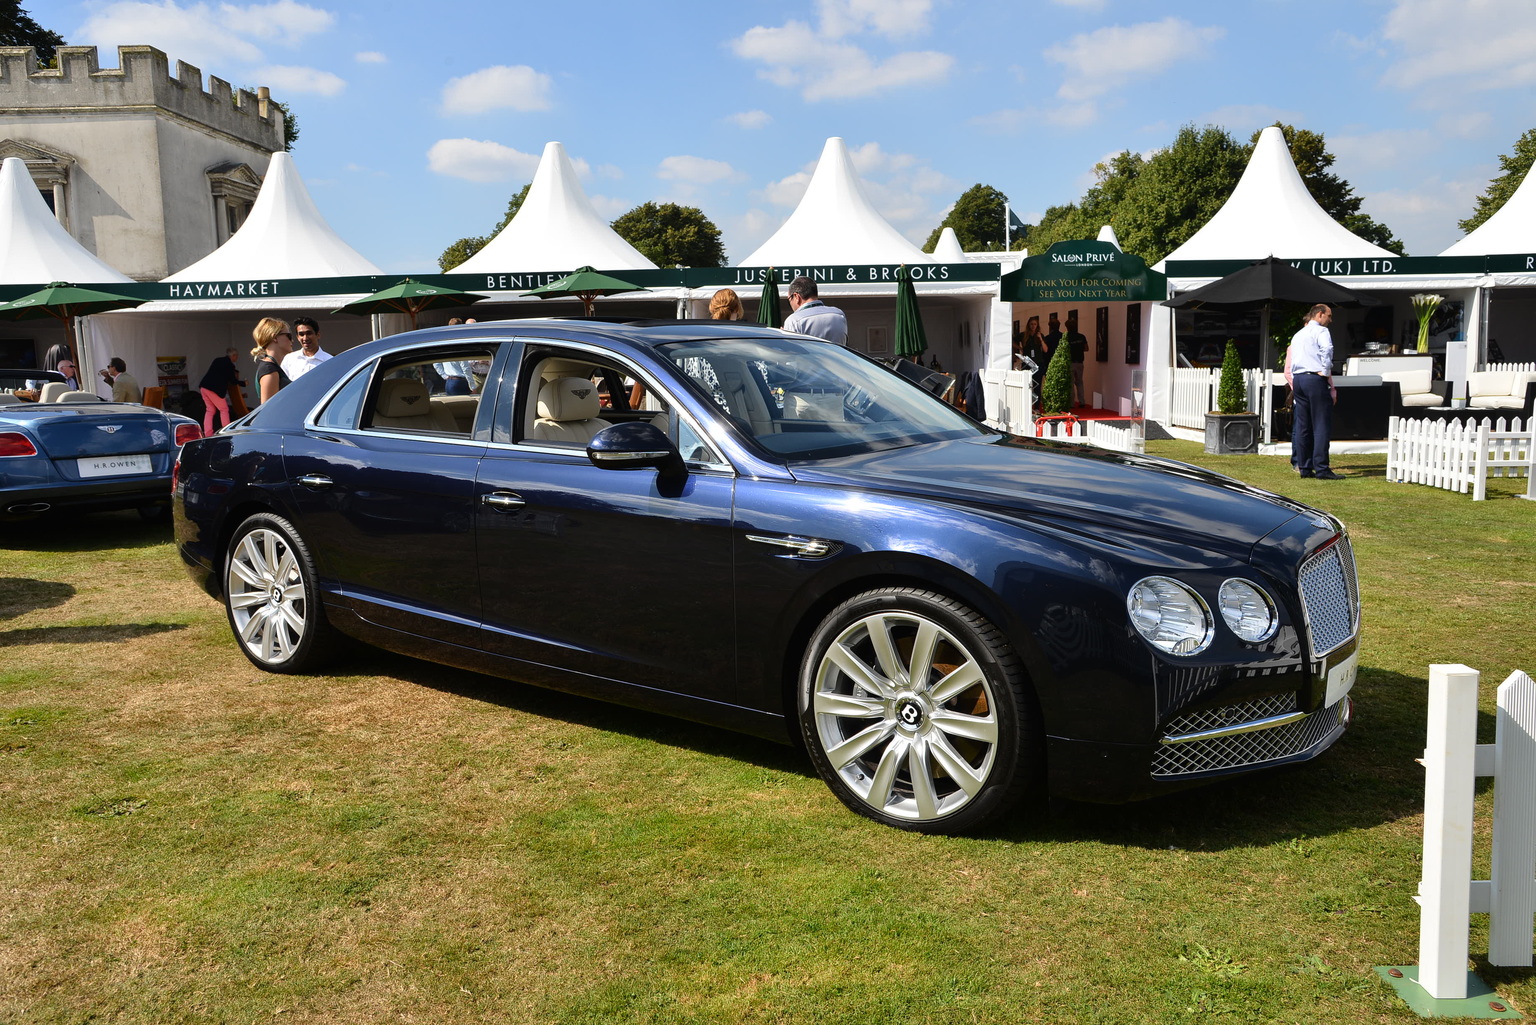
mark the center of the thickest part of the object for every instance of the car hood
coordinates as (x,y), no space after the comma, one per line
(1074,485)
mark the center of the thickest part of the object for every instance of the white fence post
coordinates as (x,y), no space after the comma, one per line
(1444,891)
(1513,873)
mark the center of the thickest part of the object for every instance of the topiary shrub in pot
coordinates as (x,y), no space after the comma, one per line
(1231,428)
(1056,387)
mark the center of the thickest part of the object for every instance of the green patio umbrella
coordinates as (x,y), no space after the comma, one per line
(410,297)
(768,304)
(910,339)
(63,301)
(585,284)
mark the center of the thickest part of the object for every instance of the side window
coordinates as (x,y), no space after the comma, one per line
(433,391)
(569,395)
(341,412)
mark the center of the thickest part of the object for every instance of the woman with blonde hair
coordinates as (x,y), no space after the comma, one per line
(273,342)
(726,305)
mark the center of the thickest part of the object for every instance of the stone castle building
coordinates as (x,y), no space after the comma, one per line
(149,172)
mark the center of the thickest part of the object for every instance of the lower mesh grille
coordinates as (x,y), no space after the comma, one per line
(1228,716)
(1240,750)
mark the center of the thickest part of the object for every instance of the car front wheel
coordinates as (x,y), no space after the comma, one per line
(271,597)
(915,712)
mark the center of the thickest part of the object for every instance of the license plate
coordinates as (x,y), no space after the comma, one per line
(114,466)
(1341,678)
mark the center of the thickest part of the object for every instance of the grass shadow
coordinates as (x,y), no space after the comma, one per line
(20,595)
(582,711)
(84,634)
(86,532)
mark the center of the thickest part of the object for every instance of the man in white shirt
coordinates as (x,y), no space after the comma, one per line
(1309,369)
(811,316)
(309,355)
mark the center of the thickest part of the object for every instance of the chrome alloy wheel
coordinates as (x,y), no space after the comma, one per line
(265,590)
(906,716)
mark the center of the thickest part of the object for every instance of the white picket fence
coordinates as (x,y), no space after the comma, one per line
(1453,759)
(1458,455)
(1194,394)
(1516,367)
(1117,435)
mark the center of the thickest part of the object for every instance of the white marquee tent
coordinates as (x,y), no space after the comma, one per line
(556,229)
(34,247)
(948,249)
(285,236)
(835,223)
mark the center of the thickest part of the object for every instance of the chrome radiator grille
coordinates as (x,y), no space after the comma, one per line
(1238,750)
(1330,593)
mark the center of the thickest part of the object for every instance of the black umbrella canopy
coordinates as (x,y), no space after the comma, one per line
(1269,280)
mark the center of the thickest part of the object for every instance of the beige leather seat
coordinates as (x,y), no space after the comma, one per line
(78,396)
(51,391)
(405,404)
(567,408)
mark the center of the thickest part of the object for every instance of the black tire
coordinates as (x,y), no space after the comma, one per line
(946,753)
(271,597)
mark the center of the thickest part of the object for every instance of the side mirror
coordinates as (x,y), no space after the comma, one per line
(634,446)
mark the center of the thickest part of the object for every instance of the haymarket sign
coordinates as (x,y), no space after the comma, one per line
(1083,271)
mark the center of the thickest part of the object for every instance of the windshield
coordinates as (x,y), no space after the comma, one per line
(811,400)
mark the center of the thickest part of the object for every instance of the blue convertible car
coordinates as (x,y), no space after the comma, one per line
(71,451)
(779,536)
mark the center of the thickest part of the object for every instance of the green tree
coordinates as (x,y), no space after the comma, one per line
(1056,388)
(1113,180)
(670,235)
(18,29)
(1335,195)
(1516,166)
(977,218)
(462,249)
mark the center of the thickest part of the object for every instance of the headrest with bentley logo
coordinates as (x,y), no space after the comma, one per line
(568,398)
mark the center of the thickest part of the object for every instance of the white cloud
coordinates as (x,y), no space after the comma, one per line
(1108,59)
(287,22)
(370,57)
(821,68)
(1379,151)
(787,191)
(515,87)
(1244,119)
(480,160)
(892,18)
(1489,43)
(751,119)
(609,207)
(208,36)
(695,170)
(286,78)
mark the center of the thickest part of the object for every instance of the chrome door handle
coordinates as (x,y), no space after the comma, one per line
(316,481)
(502,500)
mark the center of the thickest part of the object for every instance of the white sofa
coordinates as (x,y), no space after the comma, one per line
(1417,388)
(1503,390)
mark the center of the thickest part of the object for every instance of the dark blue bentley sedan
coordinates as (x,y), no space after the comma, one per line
(779,536)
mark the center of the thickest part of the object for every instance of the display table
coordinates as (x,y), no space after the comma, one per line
(1360,414)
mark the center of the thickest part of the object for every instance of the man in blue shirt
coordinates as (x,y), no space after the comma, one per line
(811,316)
(1309,368)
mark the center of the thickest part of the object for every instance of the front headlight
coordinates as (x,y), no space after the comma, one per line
(1247,610)
(1170,616)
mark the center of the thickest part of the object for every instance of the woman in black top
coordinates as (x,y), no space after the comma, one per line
(215,388)
(273,342)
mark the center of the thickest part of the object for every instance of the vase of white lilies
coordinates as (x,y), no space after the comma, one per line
(1424,306)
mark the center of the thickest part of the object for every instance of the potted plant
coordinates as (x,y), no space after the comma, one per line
(1056,387)
(1231,428)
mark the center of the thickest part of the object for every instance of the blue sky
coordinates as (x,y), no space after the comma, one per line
(419,120)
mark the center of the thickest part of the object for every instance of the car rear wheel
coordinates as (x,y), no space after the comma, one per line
(915,712)
(272,599)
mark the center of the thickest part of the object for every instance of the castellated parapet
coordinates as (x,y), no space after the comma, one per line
(141,81)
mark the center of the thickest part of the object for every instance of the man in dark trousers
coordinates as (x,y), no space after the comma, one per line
(1309,368)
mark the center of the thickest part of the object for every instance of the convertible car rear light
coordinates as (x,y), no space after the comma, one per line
(187,432)
(14,444)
